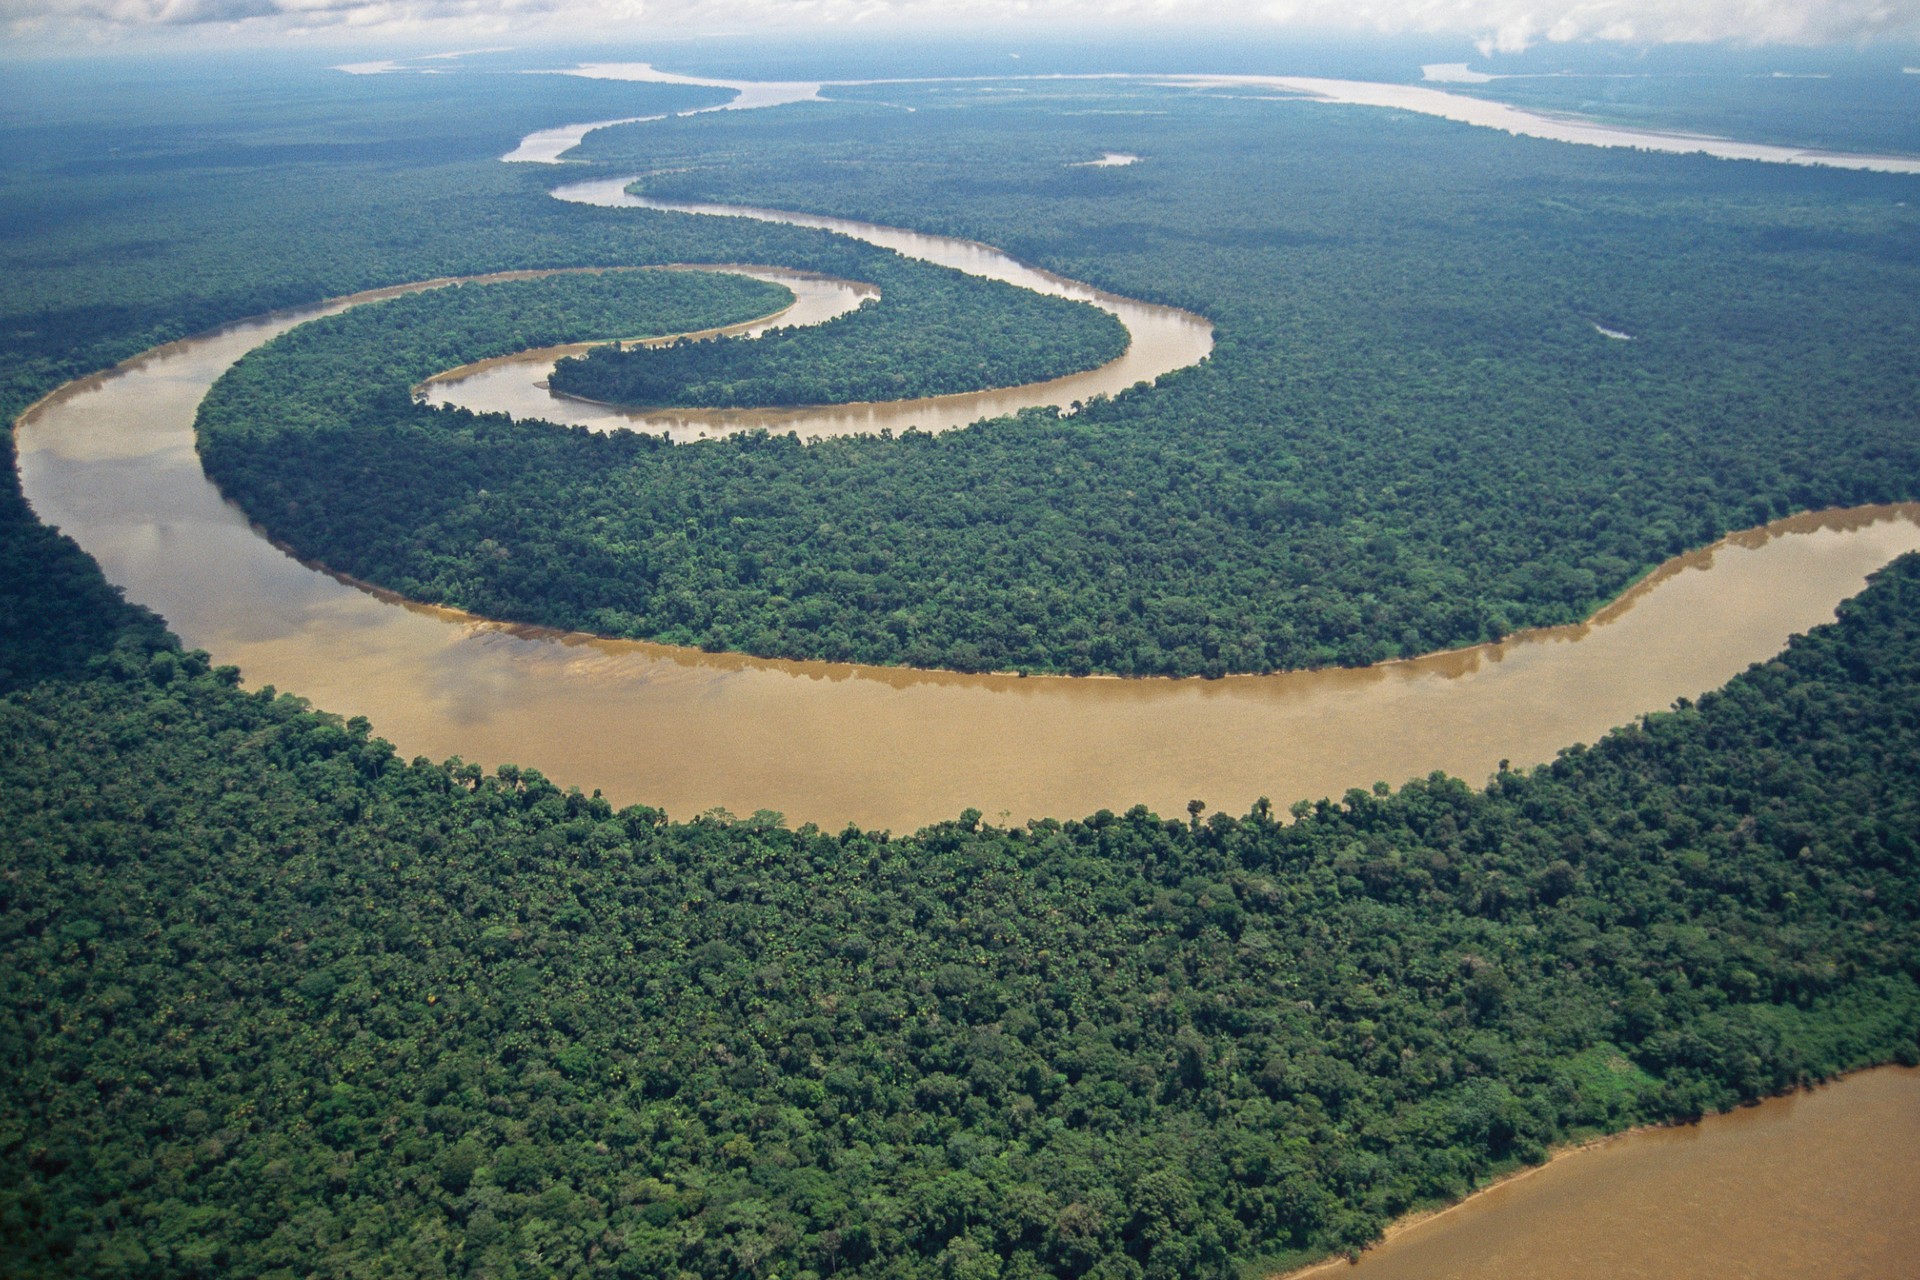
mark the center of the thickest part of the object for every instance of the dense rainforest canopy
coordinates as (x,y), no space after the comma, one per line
(1401,443)
(278,1003)
(950,333)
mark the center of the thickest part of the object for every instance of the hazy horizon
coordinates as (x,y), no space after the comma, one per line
(429,28)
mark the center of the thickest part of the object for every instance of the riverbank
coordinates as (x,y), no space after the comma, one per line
(1789,1188)
(111,461)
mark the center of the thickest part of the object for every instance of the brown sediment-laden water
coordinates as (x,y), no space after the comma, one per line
(1811,1186)
(1160,340)
(111,461)
(517,384)
(1819,1184)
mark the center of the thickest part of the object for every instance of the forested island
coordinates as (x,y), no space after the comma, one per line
(278,1002)
(952,334)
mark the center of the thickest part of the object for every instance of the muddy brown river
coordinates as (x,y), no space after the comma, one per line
(1812,1186)
(1817,1185)
(111,461)
(1160,340)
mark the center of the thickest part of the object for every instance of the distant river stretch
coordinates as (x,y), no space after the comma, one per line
(1421,99)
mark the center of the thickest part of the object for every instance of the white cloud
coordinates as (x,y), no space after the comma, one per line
(1496,25)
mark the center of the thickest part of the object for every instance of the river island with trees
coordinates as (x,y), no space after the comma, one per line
(953,333)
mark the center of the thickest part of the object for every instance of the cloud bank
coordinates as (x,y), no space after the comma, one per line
(1496,25)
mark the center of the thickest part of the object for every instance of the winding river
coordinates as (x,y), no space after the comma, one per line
(1816,1185)
(517,384)
(111,461)
(1422,99)
(1160,340)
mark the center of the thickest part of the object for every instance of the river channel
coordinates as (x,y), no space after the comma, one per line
(111,461)
(1160,340)
(1811,1186)
(1486,113)
(1422,99)
(517,384)
(1817,1185)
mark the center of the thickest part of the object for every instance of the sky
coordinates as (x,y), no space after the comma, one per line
(1495,25)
